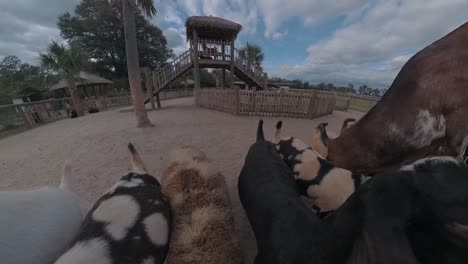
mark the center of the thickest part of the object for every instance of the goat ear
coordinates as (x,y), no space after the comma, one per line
(260,135)
(138,166)
(66,183)
(277,133)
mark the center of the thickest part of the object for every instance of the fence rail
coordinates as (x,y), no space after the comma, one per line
(19,117)
(268,104)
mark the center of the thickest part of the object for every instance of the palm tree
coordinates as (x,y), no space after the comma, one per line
(129,7)
(68,62)
(253,54)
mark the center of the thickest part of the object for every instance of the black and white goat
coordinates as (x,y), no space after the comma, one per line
(316,178)
(130,223)
(415,215)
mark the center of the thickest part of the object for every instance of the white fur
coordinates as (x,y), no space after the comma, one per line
(426,128)
(125,184)
(157,229)
(119,213)
(95,251)
(460,227)
(149,260)
(333,190)
(299,144)
(443,159)
(36,226)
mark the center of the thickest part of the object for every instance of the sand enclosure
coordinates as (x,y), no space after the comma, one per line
(97,146)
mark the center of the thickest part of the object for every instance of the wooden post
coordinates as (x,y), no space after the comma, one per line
(196,68)
(149,82)
(265,81)
(223,71)
(26,119)
(223,78)
(158,100)
(186,83)
(231,83)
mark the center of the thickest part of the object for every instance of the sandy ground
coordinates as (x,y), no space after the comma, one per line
(97,146)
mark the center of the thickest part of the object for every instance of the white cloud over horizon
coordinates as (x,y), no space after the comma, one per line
(368,43)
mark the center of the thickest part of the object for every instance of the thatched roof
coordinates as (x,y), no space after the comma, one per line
(212,27)
(85,79)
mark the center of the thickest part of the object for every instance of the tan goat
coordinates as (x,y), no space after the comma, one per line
(203,226)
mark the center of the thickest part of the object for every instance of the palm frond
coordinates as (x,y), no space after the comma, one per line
(146,6)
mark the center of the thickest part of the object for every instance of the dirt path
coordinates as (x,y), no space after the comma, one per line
(97,146)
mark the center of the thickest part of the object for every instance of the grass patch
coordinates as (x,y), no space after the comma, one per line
(362,105)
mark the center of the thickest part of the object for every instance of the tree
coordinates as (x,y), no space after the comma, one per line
(383,91)
(98,27)
(18,79)
(68,62)
(253,54)
(364,90)
(217,75)
(129,8)
(375,92)
(207,79)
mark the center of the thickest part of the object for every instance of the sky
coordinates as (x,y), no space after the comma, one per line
(341,41)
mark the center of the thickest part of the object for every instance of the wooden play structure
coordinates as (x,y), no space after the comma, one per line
(212,45)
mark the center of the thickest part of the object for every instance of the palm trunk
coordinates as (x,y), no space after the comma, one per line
(76,100)
(133,65)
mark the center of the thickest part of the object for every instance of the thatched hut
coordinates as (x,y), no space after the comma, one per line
(212,43)
(88,85)
(211,27)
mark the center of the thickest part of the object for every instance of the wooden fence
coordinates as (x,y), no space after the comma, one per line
(347,101)
(19,117)
(268,104)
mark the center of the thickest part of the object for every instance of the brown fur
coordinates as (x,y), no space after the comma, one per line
(203,226)
(346,124)
(318,144)
(435,79)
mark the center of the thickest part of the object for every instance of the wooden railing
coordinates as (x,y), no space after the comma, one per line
(214,50)
(255,72)
(19,117)
(261,103)
(172,70)
(23,116)
(218,50)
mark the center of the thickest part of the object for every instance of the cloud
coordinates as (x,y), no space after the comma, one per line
(373,49)
(176,39)
(25,32)
(312,12)
(279,35)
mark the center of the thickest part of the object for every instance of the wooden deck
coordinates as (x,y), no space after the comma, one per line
(210,57)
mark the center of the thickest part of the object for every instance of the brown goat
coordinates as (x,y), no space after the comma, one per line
(423,113)
(320,137)
(203,226)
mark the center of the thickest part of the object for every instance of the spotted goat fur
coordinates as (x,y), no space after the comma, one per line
(203,220)
(130,223)
(327,185)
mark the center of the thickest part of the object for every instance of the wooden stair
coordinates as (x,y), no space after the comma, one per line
(252,76)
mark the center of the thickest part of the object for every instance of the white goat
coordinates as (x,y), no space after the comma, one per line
(36,226)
